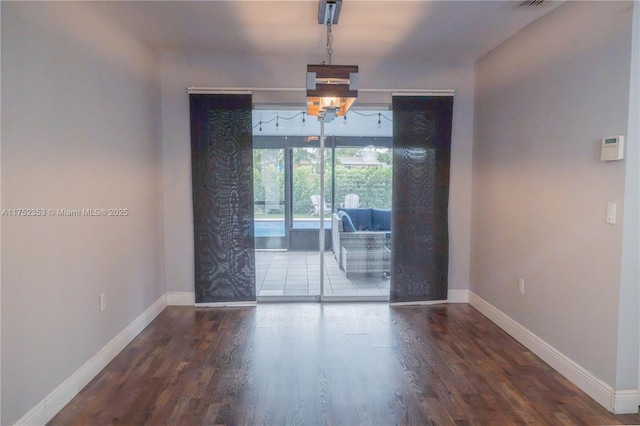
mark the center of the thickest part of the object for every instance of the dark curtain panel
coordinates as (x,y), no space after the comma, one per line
(222,173)
(420,228)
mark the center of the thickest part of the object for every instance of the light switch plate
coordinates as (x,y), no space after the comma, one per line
(611,213)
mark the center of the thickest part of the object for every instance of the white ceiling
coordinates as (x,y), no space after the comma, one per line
(412,30)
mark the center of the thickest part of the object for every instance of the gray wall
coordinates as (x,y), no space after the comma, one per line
(544,98)
(629,317)
(181,70)
(80,129)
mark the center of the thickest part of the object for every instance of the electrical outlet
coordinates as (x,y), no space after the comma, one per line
(103,302)
(520,285)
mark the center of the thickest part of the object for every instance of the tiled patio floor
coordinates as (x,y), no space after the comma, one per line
(296,273)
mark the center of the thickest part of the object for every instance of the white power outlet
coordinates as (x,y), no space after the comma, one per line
(521,285)
(103,302)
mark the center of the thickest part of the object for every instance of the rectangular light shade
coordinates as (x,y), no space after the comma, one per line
(331,89)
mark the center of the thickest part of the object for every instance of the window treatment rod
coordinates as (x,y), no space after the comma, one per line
(399,92)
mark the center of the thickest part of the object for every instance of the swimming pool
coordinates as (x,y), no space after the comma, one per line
(275,228)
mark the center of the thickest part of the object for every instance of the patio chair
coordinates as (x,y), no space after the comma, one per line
(351,201)
(315,200)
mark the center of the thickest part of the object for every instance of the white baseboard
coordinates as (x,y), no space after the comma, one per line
(617,401)
(626,401)
(46,409)
(458,296)
(181,298)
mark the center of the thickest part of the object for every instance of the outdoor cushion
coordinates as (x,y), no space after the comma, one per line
(347,224)
(361,218)
(380,220)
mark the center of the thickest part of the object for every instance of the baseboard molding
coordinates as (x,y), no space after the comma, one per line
(181,298)
(458,296)
(617,401)
(46,409)
(626,401)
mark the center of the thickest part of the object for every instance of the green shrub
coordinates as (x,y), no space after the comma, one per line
(372,184)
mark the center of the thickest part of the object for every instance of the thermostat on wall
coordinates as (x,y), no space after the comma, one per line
(612,148)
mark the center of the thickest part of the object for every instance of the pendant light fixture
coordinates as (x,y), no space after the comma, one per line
(331,89)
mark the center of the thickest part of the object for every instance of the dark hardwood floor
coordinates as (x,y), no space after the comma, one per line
(337,364)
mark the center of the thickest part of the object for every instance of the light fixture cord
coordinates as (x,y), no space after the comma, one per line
(329,34)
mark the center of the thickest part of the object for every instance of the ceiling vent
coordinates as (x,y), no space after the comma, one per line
(532,4)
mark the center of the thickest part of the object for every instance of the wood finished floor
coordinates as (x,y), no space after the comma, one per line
(335,364)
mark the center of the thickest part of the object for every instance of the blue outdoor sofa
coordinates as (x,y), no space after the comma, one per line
(362,240)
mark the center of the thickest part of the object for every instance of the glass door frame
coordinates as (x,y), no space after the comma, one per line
(330,144)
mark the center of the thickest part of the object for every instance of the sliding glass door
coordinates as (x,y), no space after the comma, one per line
(360,263)
(289,209)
